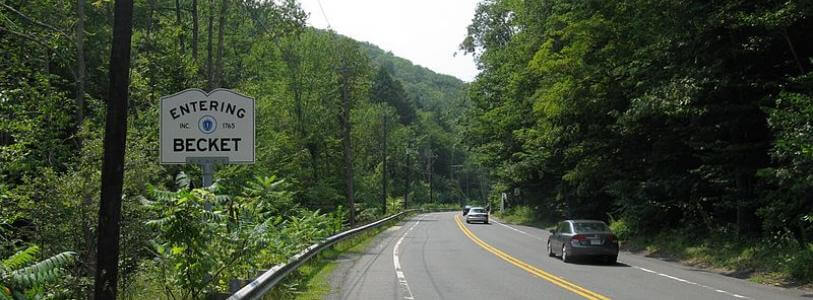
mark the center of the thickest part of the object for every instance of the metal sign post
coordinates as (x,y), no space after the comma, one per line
(207,165)
(502,202)
(208,173)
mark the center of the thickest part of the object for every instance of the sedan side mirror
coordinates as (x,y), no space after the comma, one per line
(552,231)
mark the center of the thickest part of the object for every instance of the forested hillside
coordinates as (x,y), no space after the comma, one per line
(429,90)
(345,134)
(690,118)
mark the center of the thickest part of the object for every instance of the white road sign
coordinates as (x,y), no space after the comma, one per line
(197,125)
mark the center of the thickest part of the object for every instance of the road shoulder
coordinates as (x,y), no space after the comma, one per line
(346,273)
(642,260)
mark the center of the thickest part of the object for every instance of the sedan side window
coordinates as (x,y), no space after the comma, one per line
(563,228)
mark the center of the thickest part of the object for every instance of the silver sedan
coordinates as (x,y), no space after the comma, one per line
(477,214)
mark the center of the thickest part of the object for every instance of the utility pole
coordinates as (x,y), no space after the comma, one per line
(384,159)
(347,148)
(407,178)
(429,157)
(456,182)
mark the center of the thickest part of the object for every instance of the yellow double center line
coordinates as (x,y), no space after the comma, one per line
(531,269)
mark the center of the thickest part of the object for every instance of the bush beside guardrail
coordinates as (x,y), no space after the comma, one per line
(266,281)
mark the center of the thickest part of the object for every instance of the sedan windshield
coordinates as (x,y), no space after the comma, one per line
(478,210)
(591,227)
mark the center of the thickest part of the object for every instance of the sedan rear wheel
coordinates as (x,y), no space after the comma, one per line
(565,258)
(611,260)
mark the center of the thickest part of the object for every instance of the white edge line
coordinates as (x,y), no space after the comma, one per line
(692,283)
(517,230)
(396,262)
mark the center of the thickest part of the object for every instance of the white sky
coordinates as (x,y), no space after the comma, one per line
(426,32)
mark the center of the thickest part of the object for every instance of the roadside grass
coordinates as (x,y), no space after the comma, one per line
(311,280)
(782,263)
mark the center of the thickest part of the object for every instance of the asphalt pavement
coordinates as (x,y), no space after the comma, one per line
(439,256)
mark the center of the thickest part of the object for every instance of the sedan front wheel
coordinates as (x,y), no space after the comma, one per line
(565,257)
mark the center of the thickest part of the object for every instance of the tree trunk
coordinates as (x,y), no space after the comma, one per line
(745,211)
(181,42)
(218,79)
(209,64)
(793,51)
(348,148)
(89,255)
(115,138)
(195,29)
(80,62)
(151,4)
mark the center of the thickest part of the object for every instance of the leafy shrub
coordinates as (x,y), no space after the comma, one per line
(801,265)
(519,215)
(621,228)
(367,214)
(198,249)
(187,234)
(23,278)
(394,205)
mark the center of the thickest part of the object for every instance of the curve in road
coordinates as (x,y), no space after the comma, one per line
(588,294)
(443,258)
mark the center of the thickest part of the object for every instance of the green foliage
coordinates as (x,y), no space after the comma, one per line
(787,208)
(197,249)
(519,215)
(187,236)
(22,277)
(439,207)
(799,264)
(771,260)
(622,229)
(51,150)
(659,112)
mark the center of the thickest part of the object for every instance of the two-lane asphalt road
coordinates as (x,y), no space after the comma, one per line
(439,256)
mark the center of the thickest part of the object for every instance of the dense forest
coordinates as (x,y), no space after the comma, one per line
(659,116)
(681,120)
(346,133)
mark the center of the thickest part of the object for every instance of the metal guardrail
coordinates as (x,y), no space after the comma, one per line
(258,287)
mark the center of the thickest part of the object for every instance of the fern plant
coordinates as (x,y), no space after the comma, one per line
(21,277)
